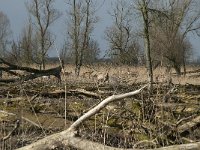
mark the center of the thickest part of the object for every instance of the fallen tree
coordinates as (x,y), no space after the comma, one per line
(62,93)
(68,137)
(33,73)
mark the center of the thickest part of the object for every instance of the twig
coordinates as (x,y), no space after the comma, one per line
(86,93)
(34,97)
(168,94)
(188,125)
(184,119)
(17,123)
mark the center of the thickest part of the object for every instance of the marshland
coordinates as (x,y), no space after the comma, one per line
(44,106)
(93,75)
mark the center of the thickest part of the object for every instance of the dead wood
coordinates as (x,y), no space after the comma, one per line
(189,125)
(184,129)
(67,137)
(62,93)
(89,145)
(34,73)
(55,94)
(185,119)
(187,140)
(102,105)
(86,93)
(17,123)
(15,67)
(168,94)
(54,140)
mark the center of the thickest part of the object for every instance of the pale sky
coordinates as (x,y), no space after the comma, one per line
(17,14)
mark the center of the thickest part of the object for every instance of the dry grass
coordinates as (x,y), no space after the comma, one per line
(120,124)
(129,73)
(134,74)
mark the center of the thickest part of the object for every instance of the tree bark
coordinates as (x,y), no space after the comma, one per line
(144,11)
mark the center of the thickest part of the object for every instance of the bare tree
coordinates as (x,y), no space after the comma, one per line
(80,27)
(26,44)
(92,53)
(143,7)
(44,14)
(14,55)
(123,46)
(65,53)
(169,34)
(5,31)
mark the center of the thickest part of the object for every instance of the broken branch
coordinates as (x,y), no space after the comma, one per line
(64,136)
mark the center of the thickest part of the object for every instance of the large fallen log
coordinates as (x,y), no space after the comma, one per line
(33,73)
(83,144)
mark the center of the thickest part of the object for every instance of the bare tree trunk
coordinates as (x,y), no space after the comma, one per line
(77,69)
(85,43)
(144,11)
(177,68)
(184,67)
(43,62)
(76,42)
(1,74)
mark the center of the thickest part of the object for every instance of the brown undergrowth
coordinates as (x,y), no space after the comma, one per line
(147,120)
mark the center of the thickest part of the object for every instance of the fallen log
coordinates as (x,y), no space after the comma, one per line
(33,73)
(63,93)
(86,93)
(189,125)
(67,137)
(62,138)
(89,145)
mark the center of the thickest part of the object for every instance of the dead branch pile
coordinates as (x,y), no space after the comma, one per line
(68,137)
(163,118)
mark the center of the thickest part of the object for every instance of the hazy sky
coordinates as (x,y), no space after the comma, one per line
(17,14)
